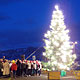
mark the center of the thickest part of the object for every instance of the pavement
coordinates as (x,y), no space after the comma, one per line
(42,77)
(68,78)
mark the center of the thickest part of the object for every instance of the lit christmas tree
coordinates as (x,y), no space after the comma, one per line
(58,49)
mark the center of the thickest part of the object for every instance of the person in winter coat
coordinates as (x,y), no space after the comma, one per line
(39,68)
(29,68)
(6,68)
(18,68)
(26,62)
(14,68)
(23,68)
(1,67)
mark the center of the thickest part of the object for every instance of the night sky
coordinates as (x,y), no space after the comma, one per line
(24,22)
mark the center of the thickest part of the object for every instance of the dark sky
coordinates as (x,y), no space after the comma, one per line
(24,22)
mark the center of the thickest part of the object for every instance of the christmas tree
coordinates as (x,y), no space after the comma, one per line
(58,48)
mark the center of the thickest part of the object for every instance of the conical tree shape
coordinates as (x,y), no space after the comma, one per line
(58,49)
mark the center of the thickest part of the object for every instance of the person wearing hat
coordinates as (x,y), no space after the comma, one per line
(14,68)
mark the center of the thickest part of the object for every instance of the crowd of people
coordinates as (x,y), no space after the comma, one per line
(19,67)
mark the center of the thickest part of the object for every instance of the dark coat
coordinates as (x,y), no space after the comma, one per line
(1,65)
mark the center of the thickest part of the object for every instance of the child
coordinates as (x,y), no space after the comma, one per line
(14,68)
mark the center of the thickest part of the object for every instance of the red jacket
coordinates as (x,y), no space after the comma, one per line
(14,67)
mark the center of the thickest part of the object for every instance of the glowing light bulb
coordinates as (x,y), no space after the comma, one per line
(74,55)
(68,68)
(49,62)
(53,69)
(56,7)
(75,42)
(62,66)
(67,31)
(57,53)
(55,62)
(45,35)
(44,54)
